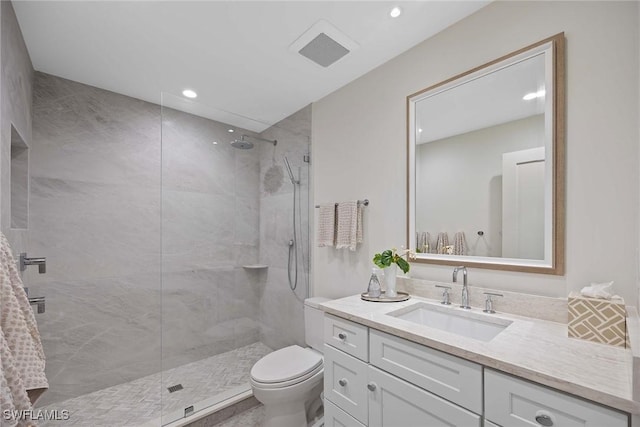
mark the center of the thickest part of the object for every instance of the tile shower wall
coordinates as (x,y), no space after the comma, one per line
(96,202)
(95,215)
(281,310)
(210,224)
(15,114)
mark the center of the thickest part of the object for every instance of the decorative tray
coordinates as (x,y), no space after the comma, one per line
(402,296)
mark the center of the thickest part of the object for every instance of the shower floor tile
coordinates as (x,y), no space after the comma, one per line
(139,401)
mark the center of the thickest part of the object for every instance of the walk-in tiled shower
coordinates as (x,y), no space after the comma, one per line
(167,249)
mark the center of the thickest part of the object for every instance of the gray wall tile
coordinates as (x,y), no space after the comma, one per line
(145,241)
(16,90)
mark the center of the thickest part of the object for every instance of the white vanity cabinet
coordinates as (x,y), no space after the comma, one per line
(447,376)
(336,417)
(349,337)
(345,383)
(397,403)
(358,393)
(376,379)
(514,402)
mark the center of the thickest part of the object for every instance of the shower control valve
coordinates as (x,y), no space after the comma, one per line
(40,262)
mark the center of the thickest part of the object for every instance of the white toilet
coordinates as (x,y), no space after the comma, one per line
(288,382)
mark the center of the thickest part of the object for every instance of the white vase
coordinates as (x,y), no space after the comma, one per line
(390,280)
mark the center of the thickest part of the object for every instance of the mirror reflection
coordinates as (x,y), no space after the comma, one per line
(482,172)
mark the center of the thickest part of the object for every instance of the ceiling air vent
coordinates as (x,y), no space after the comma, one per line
(323,43)
(323,50)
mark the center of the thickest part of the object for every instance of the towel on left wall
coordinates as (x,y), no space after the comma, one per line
(21,354)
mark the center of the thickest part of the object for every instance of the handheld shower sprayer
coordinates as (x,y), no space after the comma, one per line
(293,247)
(294,181)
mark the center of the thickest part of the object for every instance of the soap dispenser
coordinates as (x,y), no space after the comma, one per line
(374,290)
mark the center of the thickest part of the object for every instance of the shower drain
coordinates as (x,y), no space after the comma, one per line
(175,388)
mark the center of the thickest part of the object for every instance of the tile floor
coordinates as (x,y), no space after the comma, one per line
(139,401)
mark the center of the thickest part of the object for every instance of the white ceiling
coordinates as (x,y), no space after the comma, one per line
(488,100)
(234,54)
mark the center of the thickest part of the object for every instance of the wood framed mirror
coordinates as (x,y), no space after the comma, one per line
(486,166)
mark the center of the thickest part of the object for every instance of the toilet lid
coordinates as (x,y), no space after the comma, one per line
(285,364)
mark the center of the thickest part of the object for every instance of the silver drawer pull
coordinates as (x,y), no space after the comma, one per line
(342,336)
(544,418)
(371,386)
(342,382)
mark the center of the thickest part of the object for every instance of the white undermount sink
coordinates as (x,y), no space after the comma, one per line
(452,319)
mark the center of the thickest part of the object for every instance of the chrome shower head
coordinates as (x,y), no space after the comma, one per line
(242,144)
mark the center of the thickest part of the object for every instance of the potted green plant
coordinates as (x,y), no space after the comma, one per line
(389,261)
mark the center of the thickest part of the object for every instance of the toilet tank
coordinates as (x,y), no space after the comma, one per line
(314,323)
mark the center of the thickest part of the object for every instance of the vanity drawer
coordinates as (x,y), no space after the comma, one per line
(336,417)
(450,377)
(345,383)
(510,401)
(350,337)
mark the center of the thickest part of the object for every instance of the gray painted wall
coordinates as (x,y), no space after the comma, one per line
(364,123)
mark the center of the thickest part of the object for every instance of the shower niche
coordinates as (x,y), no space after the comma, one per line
(19,181)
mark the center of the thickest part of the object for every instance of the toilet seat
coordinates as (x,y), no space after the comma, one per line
(286,367)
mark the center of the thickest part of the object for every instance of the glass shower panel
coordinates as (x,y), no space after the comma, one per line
(227,223)
(94,214)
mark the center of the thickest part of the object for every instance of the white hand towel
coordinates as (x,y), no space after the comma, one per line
(347,233)
(327,225)
(459,244)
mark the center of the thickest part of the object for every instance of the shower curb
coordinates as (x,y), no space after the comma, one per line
(225,413)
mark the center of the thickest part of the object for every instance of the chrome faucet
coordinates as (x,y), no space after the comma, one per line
(465,289)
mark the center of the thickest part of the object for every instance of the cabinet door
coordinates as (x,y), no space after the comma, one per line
(345,383)
(336,417)
(450,377)
(510,401)
(396,403)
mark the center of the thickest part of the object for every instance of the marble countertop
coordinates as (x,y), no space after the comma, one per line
(533,349)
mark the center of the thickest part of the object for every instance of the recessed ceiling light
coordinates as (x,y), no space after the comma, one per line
(189,93)
(215,142)
(395,12)
(534,95)
(230,130)
(420,130)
